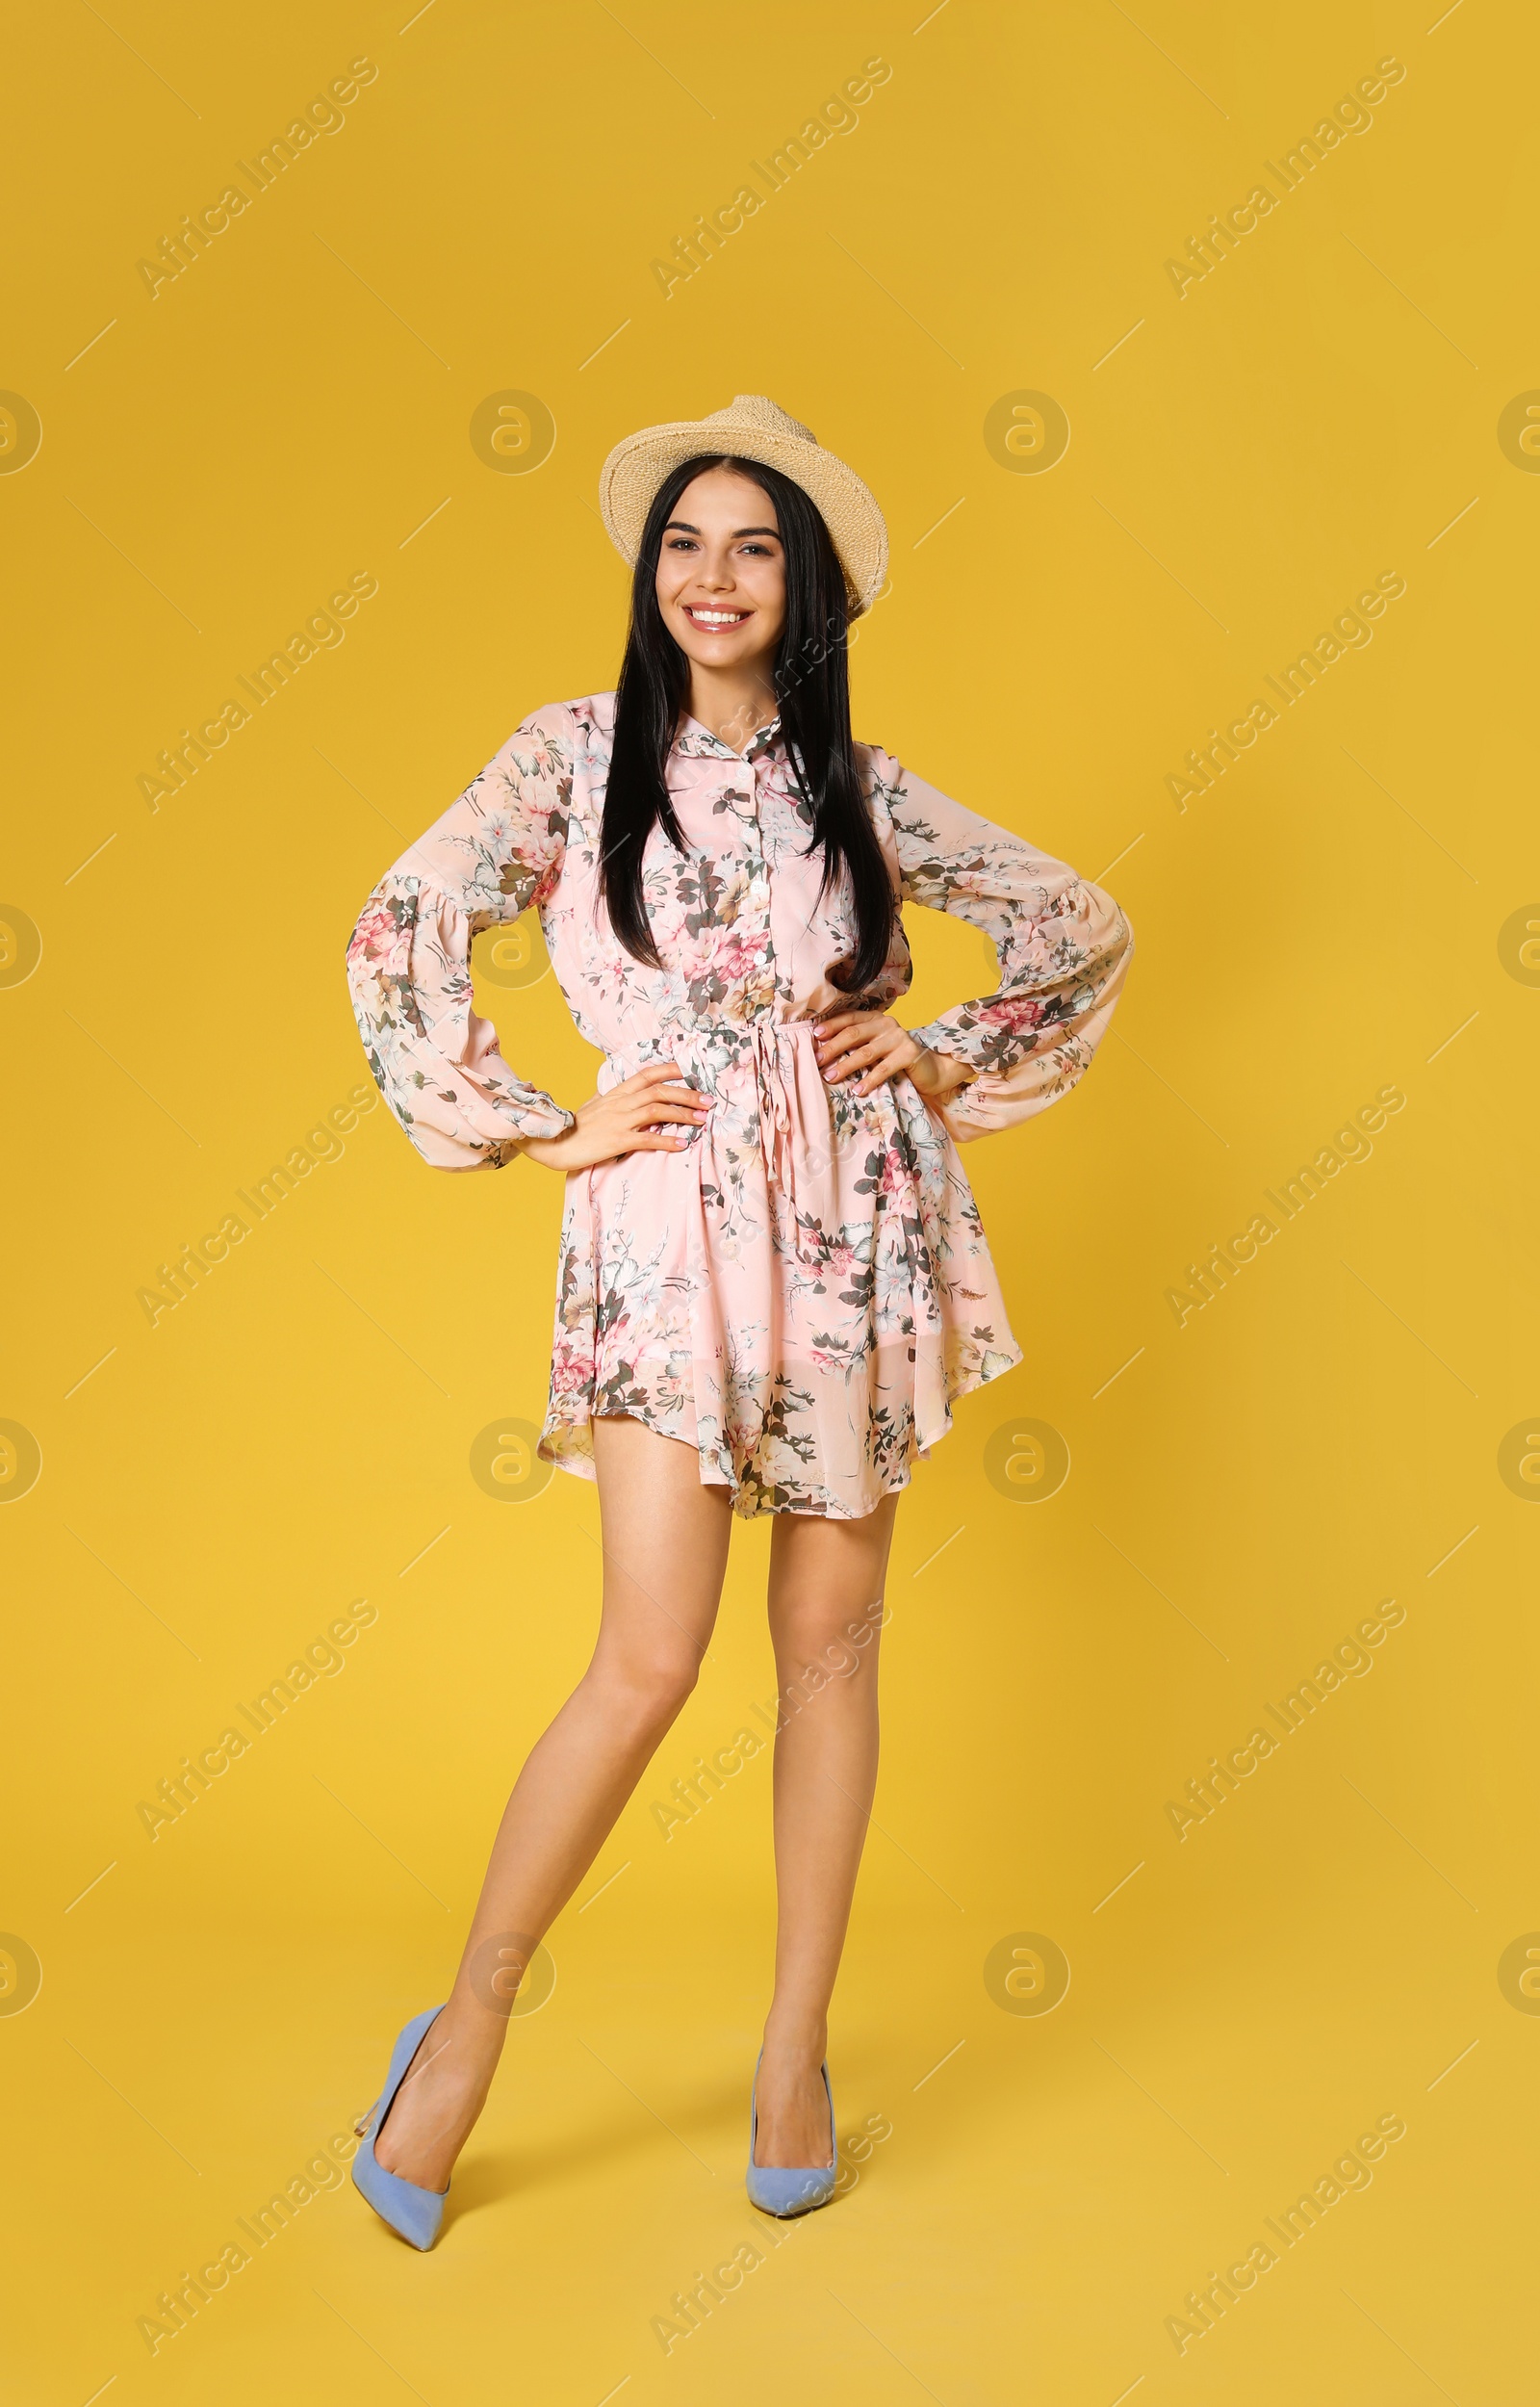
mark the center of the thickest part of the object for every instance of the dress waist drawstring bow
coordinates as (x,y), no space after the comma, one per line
(775,1102)
(720,1057)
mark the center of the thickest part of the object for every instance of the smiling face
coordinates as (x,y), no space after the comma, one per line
(722,576)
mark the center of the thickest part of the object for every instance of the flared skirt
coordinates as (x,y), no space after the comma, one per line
(800,1293)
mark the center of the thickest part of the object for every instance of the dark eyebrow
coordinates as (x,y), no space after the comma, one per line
(739,533)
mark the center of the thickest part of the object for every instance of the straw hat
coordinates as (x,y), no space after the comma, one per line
(752,428)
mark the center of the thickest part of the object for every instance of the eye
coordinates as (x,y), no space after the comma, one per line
(680,543)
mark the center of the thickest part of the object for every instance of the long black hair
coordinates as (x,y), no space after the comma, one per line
(812,689)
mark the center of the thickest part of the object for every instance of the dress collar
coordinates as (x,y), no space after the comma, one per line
(697,743)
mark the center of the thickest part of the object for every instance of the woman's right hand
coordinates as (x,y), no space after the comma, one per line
(626,1121)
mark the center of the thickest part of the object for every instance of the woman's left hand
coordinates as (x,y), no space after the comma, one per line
(872,1048)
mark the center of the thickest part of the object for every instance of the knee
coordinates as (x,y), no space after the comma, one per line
(826,1649)
(648,1692)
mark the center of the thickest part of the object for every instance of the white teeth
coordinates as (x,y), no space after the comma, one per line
(716,618)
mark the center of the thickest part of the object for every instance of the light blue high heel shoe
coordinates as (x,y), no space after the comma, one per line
(787,2189)
(415,2214)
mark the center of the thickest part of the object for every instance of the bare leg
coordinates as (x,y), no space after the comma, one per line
(665,1551)
(825,1607)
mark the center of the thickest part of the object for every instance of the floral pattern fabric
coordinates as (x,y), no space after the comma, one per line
(803,1289)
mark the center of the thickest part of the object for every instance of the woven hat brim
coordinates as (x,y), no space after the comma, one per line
(632,475)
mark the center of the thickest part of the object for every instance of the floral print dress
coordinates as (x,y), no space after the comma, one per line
(802,1291)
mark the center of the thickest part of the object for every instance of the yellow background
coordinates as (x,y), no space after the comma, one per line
(290,411)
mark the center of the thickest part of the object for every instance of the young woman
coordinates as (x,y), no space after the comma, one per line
(773,1280)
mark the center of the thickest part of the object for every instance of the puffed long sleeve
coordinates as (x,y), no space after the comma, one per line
(497,849)
(1064,948)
